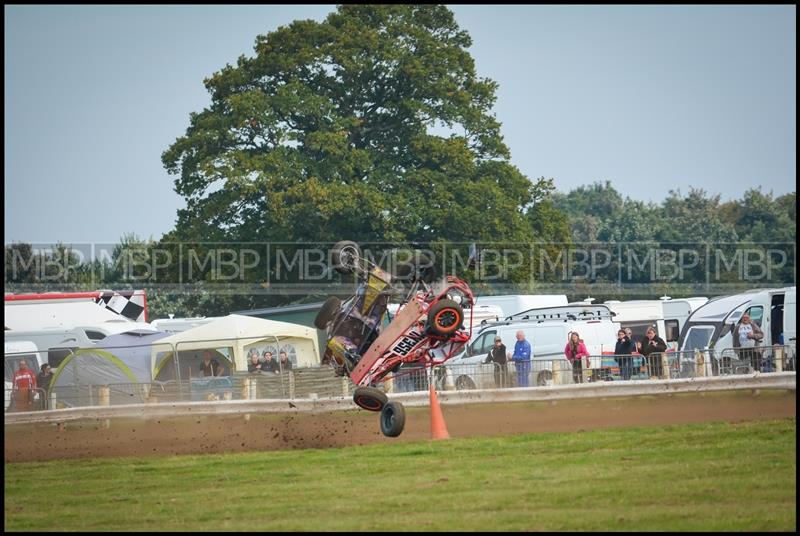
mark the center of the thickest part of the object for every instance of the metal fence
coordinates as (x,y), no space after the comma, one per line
(322,382)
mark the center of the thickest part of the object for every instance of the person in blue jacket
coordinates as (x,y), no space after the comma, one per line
(522,359)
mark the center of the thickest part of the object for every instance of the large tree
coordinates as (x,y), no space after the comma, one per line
(371,125)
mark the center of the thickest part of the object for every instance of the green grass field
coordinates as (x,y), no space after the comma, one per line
(718,476)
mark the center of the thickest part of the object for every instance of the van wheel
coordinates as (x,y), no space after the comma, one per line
(543,377)
(465,383)
(393,419)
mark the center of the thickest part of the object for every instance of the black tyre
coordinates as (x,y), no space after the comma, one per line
(543,377)
(445,317)
(465,383)
(328,311)
(345,256)
(393,419)
(418,267)
(370,398)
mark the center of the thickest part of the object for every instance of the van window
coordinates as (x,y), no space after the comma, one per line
(95,335)
(483,343)
(673,330)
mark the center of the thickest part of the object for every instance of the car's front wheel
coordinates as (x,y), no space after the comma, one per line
(370,398)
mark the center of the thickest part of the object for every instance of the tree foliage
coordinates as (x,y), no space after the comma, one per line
(372,125)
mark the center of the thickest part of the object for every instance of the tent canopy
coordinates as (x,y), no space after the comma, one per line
(233,336)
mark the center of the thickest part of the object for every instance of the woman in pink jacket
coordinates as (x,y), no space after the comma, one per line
(575,351)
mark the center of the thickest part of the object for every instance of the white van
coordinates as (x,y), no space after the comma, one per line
(514,303)
(547,337)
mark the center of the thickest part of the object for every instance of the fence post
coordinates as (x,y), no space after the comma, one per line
(556,368)
(345,387)
(777,357)
(104,395)
(291,384)
(664,366)
(52,400)
(699,360)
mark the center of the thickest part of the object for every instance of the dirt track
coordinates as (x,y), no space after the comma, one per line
(295,431)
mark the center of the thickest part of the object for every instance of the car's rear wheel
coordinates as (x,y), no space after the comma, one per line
(445,317)
(370,398)
(344,256)
(393,419)
(326,314)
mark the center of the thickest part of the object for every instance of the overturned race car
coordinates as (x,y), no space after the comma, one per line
(428,329)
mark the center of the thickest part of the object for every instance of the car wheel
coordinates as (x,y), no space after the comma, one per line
(543,377)
(445,317)
(370,398)
(465,383)
(393,419)
(345,256)
(329,309)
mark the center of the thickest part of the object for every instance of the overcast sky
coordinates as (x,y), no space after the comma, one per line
(651,98)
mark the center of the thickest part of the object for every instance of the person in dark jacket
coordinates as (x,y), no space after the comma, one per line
(254,366)
(269,364)
(624,347)
(652,348)
(44,377)
(499,357)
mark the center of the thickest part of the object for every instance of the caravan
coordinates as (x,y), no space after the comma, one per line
(666,315)
(773,310)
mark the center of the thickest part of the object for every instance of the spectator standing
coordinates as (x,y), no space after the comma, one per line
(522,359)
(499,357)
(210,367)
(747,335)
(24,383)
(576,351)
(284,362)
(652,349)
(622,354)
(269,364)
(44,377)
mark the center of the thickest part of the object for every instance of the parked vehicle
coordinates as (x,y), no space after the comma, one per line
(514,303)
(711,325)
(547,330)
(131,304)
(665,315)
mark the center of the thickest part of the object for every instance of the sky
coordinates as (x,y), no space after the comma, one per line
(650,98)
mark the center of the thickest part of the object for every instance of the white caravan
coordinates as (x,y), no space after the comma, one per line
(773,310)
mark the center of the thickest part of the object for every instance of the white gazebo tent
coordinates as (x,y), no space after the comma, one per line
(232,338)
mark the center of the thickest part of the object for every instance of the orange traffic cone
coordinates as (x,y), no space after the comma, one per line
(438,427)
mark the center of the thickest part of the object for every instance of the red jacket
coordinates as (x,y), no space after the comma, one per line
(582,351)
(24,379)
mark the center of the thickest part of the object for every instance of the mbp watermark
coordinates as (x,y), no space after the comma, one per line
(303,268)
